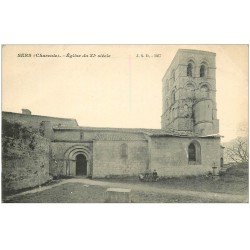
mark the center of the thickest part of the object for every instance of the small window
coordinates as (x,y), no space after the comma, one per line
(194,153)
(191,152)
(81,135)
(124,150)
(190,69)
(202,70)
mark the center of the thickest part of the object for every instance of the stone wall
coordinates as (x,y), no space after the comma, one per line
(109,160)
(169,155)
(25,159)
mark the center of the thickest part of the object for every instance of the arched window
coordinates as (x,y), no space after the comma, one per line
(194,153)
(124,150)
(190,69)
(202,71)
(191,152)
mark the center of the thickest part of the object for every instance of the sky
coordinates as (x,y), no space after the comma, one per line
(123,89)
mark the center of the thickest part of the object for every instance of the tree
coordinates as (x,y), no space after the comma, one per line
(238,151)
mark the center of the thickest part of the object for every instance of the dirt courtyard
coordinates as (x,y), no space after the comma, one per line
(195,190)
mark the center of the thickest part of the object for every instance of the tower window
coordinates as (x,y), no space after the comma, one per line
(202,71)
(190,69)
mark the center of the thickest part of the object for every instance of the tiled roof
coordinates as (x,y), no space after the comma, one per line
(130,133)
(116,136)
(130,130)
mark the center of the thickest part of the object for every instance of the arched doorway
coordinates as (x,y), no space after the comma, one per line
(78,161)
(81,164)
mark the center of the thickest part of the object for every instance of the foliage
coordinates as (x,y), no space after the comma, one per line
(11,129)
(16,135)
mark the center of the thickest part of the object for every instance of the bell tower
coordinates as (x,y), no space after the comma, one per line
(189,93)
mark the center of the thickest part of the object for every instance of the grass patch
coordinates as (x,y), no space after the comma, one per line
(79,193)
(13,192)
(66,193)
(233,181)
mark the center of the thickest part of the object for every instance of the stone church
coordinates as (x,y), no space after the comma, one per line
(188,142)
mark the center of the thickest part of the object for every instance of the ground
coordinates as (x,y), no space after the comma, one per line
(230,187)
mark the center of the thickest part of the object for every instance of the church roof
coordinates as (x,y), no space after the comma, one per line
(119,137)
(132,133)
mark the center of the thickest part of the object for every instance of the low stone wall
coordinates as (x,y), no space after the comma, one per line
(22,173)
